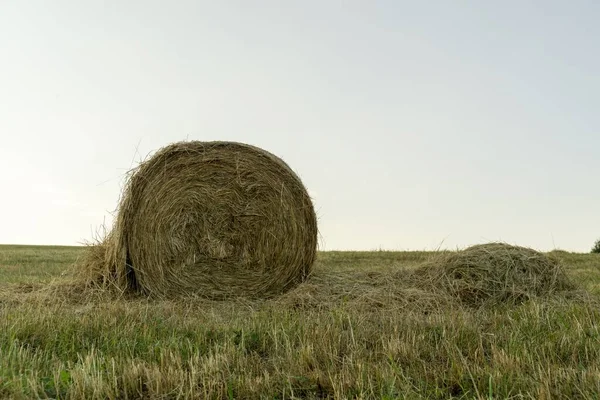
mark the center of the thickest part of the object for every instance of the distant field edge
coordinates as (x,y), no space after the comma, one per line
(39,246)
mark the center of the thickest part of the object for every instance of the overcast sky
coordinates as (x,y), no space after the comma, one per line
(413,124)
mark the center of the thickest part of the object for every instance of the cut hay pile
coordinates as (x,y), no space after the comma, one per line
(214,219)
(494,273)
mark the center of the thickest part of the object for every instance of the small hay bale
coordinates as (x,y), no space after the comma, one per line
(493,273)
(214,219)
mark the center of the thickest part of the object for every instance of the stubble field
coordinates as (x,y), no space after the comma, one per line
(354,330)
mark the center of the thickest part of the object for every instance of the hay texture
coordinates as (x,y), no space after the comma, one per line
(492,274)
(214,219)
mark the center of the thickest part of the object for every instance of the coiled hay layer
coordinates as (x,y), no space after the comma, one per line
(494,273)
(215,219)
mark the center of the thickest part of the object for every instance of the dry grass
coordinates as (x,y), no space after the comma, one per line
(492,274)
(214,219)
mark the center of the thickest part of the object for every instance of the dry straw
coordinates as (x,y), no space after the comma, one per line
(493,273)
(214,219)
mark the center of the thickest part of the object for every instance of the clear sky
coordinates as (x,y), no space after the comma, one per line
(414,125)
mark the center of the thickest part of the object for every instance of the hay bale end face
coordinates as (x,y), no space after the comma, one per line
(494,273)
(215,219)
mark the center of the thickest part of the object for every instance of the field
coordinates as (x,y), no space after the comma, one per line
(352,331)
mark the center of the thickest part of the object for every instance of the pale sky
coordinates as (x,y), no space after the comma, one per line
(414,125)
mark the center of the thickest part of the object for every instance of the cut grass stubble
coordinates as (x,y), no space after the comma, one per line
(349,331)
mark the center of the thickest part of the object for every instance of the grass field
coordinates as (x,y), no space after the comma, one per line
(352,331)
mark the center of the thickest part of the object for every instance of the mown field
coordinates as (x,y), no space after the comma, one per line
(353,331)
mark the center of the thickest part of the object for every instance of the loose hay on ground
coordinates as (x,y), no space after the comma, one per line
(363,290)
(493,273)
(215,219)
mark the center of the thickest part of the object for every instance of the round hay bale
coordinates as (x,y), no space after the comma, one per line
(214,219)
(494,273)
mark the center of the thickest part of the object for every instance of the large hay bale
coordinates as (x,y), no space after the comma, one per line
(493,273)
(215,219)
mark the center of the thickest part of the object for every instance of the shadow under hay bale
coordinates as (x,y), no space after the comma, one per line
(214,219)
(492,274)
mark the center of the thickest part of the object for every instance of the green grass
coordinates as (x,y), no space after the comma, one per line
(34,264)
(345,334)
